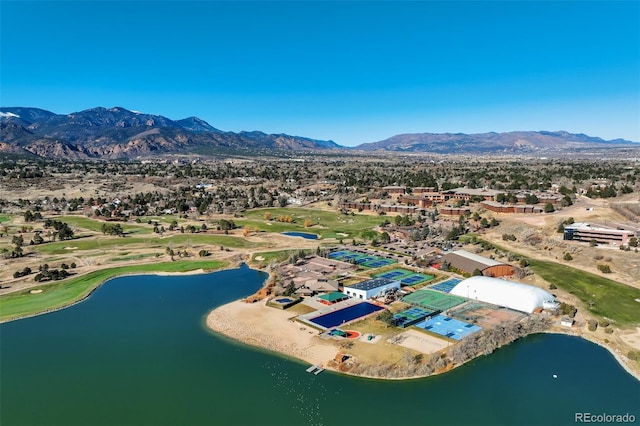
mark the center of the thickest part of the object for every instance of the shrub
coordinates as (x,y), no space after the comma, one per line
(634,355)
(603,323)
(608,330)
(568,310)
(592,325)
(567,256)
(605,269)
(552,287)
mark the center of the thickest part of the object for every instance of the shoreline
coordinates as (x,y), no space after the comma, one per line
(618,357)
(229,265)
(257,325)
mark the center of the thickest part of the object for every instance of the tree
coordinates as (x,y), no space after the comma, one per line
(604,268)
(267,216)
(548,208)
(386,317)
(28,216)
(476,272)
(307,223)
(37,239)
(633,242)
(567,256)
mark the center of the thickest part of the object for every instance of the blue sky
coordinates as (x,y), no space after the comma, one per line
(352,72)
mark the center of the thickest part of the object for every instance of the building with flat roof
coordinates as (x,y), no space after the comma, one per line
(497,207)
(467,193)
(585,232)
(469,262)
(371,288)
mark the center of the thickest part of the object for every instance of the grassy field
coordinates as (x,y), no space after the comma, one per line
(134,257)
(152,240)
(4,218)
(63,293)
(327,224)
(608,298)
(96,225)
(278,256)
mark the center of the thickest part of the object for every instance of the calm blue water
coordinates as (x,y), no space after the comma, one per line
(137,353)
(301,234)
(345,315)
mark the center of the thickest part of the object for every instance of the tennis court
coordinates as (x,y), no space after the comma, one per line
(345,315)
(448,327)
(365,259)
(446,286)
(410,316)
(414,279)
(393,274)
(433,300)
(338,254)
(378,262)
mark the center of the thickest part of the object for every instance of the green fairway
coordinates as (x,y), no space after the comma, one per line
(60,294)
(134,257)
(4,218)
(153,240)
(327,224)
(96,225)
(607,298)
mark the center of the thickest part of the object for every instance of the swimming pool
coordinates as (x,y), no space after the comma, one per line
(345,315)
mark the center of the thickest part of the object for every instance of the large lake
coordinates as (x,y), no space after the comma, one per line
(137,353)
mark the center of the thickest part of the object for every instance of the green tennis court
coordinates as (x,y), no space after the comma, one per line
(433,300)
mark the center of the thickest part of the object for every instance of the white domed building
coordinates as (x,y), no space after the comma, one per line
(512,295)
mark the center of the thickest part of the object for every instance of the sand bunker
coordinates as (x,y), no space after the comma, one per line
(260,258)
(35,291)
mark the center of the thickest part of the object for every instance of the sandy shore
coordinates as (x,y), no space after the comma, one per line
(258,325)
(272,329)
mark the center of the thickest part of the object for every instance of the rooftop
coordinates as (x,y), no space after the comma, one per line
(373,283)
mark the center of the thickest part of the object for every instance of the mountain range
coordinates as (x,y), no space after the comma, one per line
(120,133)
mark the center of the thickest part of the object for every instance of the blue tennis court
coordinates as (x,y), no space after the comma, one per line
(393,274)
(365,259)
(338,254)
(379,262)
(345,315)
(414,279)
(448,327)
(446,286)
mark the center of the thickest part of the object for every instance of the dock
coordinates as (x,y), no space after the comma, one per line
(319,370)
(313,367)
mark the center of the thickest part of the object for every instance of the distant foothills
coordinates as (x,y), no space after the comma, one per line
(112,133)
